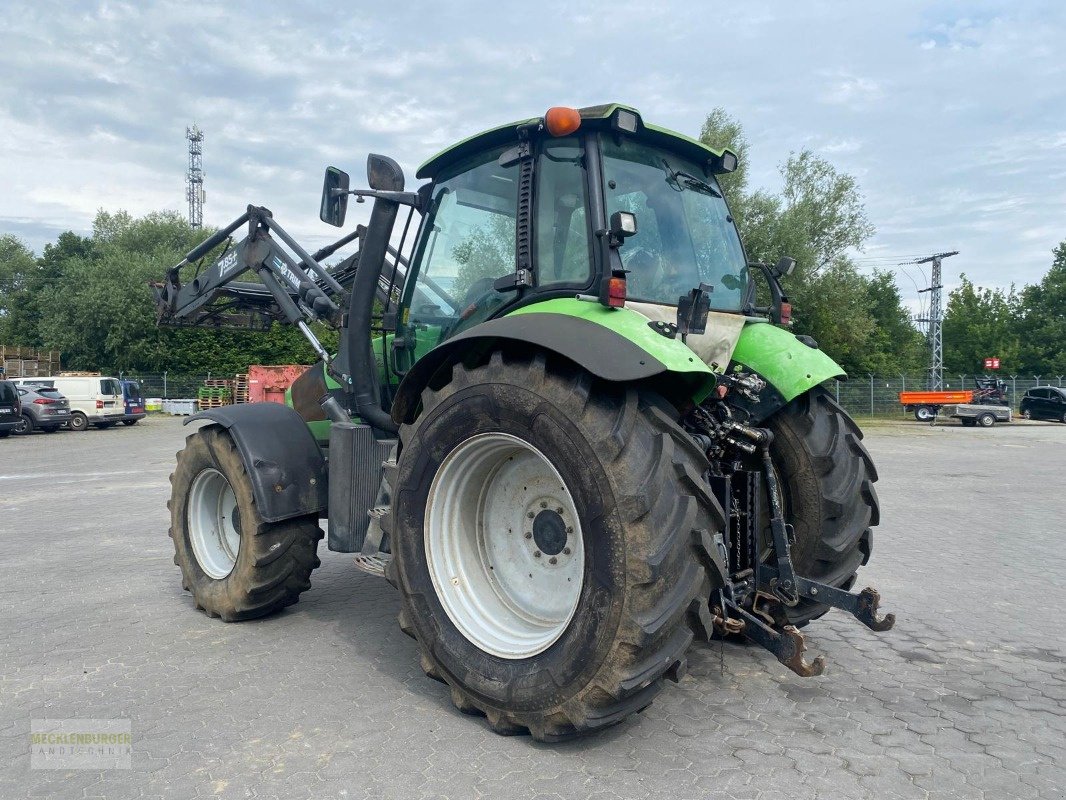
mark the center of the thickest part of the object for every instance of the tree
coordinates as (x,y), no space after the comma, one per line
(1041,324)
(818,218)
(17,270)
(720,131)
(980,323)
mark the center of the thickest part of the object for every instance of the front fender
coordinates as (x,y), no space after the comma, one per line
(286,468)
(787,364)
(617,345)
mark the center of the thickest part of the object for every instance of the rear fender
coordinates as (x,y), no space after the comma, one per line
(615,345)
(284,464)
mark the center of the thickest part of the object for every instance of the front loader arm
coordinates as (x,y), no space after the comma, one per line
(290,289)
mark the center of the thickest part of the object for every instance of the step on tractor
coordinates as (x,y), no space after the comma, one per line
(558,422)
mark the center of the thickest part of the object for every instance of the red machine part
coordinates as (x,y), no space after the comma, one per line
(269,383)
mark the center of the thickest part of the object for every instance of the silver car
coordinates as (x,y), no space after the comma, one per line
(43,409)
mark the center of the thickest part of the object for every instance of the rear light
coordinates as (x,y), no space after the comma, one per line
(99,403)
(786,313)
(43,401)
(613,291)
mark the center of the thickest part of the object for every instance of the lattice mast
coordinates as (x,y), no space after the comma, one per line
(194,177)
(935,381)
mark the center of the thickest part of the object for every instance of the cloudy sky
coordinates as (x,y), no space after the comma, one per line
(951,115)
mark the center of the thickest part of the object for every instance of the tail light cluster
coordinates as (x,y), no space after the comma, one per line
(43,401)
(99,403)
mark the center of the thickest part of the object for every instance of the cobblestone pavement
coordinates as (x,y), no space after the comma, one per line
(966,698)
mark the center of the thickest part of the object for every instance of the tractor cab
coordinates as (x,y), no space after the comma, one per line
(590,205)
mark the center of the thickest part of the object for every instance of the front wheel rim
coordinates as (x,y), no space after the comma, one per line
(504,545)
(214,523)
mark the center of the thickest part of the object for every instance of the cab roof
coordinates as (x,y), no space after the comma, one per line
(601,117)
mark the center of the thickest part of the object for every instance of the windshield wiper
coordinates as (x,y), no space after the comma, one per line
(694,183)
(682,180)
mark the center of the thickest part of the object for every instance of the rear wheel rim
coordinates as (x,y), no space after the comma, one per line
(214,523)
(504,545)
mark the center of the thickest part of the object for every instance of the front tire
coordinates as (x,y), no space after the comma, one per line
(630,506)
(236,565)
(827,479)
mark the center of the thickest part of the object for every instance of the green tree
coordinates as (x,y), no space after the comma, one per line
(17,270)
(720,131)
(1041,324)
(980,323)
(818,218)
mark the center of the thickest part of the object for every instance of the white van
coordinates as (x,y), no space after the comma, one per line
(94,400)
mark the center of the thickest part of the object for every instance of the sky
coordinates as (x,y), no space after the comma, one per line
(951,116)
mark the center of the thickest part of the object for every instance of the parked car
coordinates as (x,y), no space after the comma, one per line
(43,408)
(10,408)
(1044,402)
(94,399)
(132,403)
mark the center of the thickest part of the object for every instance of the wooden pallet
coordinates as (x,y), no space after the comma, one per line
(240,388)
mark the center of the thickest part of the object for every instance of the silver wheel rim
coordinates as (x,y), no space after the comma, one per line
(504,546)
(214,523)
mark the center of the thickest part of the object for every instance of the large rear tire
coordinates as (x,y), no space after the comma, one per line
(827,479)
(522,462)
(236,565)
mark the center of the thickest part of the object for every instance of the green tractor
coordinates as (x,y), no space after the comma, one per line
(557,422)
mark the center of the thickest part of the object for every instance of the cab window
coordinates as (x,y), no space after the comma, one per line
(685,235)
(563,247)
(467,242)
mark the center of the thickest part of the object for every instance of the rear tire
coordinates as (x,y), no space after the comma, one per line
(78,421)
(104,425)
(130,421)
(968,423)
(986,420)
(4,434)
(643,513)
(24,427)
(236,565)
(50,429)
(827,480)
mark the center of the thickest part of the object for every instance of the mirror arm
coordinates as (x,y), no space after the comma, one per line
(412,199)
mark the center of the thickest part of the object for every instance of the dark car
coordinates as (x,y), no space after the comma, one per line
(10,408)
(132,403)
(1044,402)
(43,409)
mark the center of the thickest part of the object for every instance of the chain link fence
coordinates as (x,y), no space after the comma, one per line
(879,394)
(860,395)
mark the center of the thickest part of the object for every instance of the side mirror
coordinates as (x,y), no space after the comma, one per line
(383,174)
(785,265)
(334,197)
(623,224)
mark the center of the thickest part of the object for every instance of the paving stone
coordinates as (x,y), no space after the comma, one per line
(965,699)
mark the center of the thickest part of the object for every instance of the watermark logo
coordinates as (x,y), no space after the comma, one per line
(80,744)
